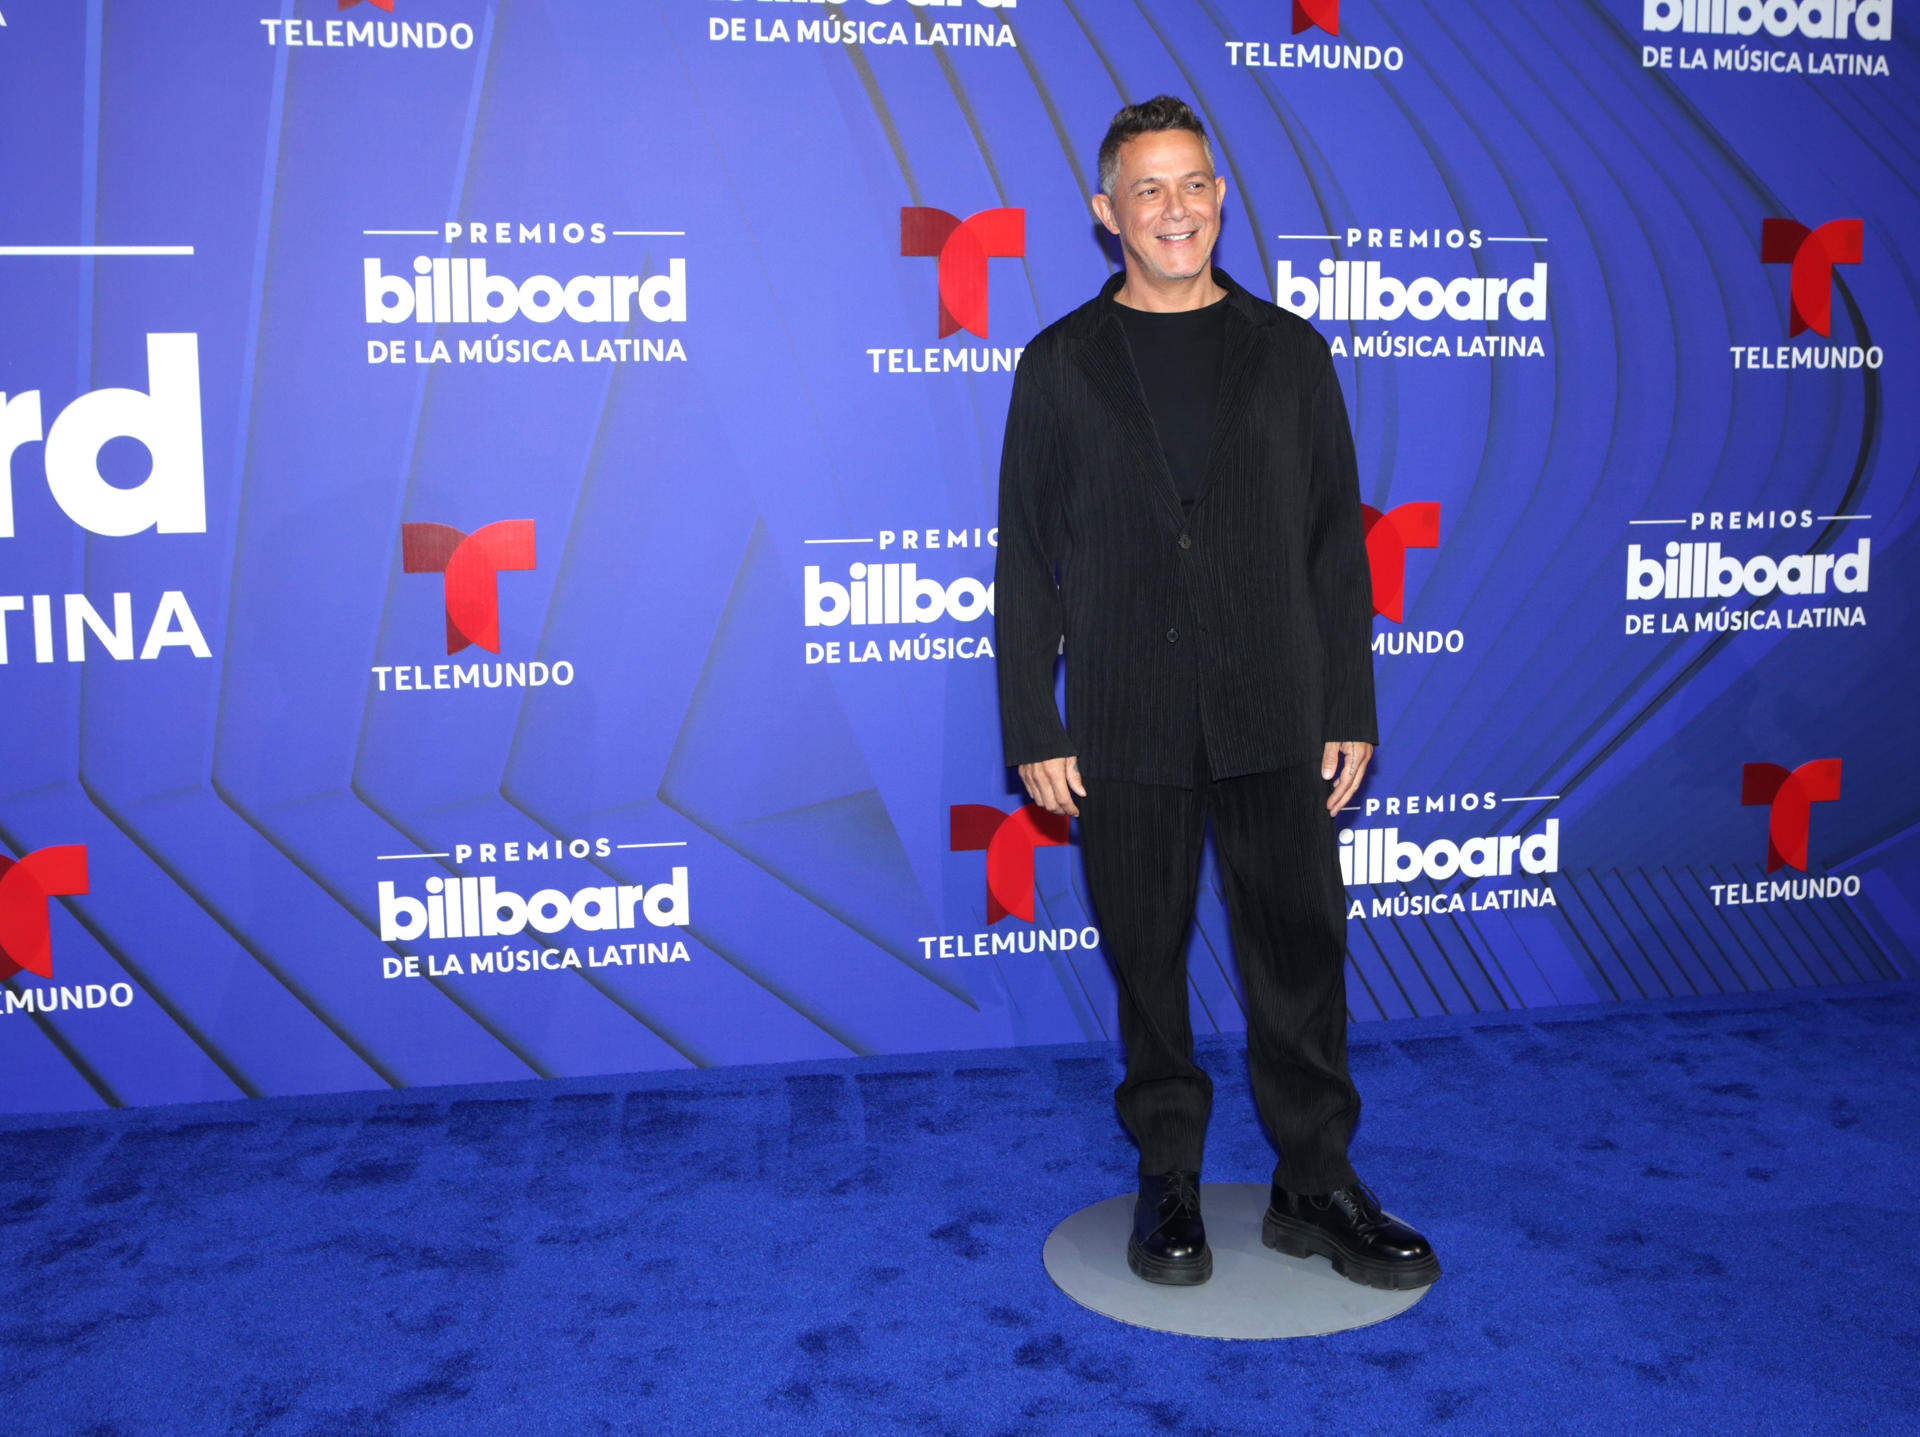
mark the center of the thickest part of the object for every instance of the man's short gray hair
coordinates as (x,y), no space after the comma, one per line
(1162,112)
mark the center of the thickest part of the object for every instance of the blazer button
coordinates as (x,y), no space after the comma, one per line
(1186,541)
(1173,636)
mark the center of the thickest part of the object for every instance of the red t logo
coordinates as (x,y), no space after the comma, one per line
(1389,536)
(1324,13)
(1009,839)
(1813,254)
(470,562)
(26,940)
(386,5)
(963,248)
(1791,796)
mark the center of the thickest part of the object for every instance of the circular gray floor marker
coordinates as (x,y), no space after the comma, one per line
(1254,1293)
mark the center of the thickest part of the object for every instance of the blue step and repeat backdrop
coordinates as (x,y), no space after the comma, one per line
(497,539)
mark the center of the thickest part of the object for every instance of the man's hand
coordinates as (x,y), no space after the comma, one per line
(1357,756)
(1052,782)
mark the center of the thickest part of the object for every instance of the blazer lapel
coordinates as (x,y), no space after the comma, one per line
(1240,358)
(1108,364)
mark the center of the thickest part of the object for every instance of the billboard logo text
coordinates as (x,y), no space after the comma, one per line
(1815,19)
(460,291)
(165,418)
(479,908)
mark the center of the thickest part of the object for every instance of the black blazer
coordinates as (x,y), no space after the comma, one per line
(1248,621)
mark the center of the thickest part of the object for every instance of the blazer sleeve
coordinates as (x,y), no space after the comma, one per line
(1028,616)
(1337,565)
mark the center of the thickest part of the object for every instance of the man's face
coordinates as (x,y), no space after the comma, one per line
(1165,204)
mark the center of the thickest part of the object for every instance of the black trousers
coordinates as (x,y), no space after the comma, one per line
(1286,909)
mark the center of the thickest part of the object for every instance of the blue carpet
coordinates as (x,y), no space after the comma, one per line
(1665,1218)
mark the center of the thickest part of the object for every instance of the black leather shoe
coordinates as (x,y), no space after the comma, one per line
(1350,1229)
(1169,1242)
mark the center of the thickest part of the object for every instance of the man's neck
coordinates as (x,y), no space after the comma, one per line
(1168,296)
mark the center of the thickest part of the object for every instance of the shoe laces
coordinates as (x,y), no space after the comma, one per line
(1360,1203)
(1184,1190)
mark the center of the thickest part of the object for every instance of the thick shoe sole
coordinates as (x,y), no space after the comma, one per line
(1166,1271)
(1298,1239)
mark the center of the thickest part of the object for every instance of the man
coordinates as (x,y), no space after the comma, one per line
(1180,517)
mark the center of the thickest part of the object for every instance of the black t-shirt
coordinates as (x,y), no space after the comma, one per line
(1177,356)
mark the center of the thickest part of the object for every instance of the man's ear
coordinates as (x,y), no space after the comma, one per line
(1103,211)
